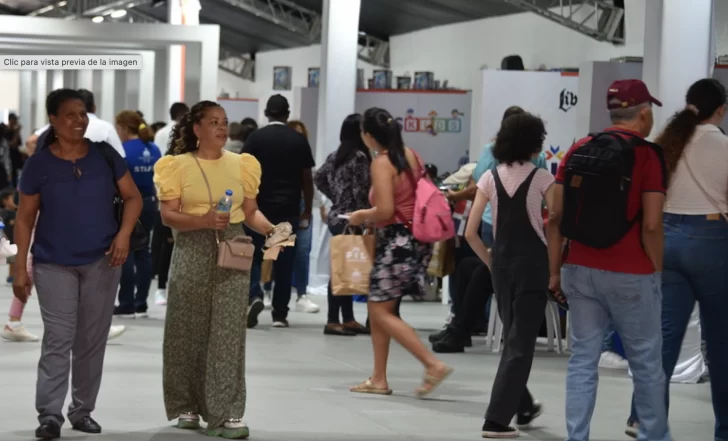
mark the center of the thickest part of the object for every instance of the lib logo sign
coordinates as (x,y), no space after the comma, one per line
(567,100)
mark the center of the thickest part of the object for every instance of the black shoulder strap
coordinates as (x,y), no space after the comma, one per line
(499,188)
(104,149)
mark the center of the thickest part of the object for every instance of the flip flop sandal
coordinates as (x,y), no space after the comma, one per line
(368,388)
(432,382)
(559,299)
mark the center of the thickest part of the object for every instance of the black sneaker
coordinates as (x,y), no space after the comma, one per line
(48,430)
(254,310)
(526,418)
(437,336)
(87,425)
(496,431)
(280,323)
(123,313)
(450,344)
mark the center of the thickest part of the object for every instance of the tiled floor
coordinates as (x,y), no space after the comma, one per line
(298,383)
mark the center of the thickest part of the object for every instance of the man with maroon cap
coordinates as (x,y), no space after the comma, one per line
(609,207)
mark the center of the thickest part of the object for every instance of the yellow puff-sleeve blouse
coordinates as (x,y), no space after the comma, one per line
(179,177)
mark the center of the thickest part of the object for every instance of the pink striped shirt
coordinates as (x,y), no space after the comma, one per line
(512,177)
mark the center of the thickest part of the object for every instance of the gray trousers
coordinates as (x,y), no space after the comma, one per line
(77,305)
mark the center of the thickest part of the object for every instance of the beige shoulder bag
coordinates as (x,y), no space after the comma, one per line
(236,253)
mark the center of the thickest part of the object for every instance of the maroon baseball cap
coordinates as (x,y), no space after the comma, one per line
(629,93)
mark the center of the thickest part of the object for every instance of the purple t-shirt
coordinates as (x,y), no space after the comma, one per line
(77,220)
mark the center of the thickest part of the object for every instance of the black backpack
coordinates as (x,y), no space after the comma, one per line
(597,182)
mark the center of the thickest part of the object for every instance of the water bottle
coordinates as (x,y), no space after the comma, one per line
(225,204)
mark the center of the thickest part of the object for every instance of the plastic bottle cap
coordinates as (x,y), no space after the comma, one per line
(228,192)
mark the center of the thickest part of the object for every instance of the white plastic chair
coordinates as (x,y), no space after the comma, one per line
(494,337)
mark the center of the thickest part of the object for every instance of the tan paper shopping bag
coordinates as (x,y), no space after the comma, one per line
(352,257)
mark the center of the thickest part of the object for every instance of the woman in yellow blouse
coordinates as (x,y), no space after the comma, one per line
(204,335)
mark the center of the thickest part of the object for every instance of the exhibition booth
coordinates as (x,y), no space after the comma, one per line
(436,123)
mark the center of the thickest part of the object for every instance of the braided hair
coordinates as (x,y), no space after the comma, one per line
(183,139)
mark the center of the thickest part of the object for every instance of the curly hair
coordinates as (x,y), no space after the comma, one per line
(520,137)
(183,139)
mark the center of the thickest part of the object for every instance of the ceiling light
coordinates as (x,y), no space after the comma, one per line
(97,19)
(62,4)
(118,13)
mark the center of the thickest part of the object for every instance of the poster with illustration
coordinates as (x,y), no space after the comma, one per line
(435,124)
(282,78)
(314,76)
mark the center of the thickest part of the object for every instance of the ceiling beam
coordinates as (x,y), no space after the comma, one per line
(597,19)
(69,9)
(230,60)
(308,23)
(285,14)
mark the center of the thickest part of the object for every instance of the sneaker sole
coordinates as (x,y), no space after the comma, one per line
(222,432)
(303,309)
(19,339)
(500,435)
(188,424)
(632,433)
(255,310)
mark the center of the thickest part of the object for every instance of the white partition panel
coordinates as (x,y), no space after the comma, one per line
(551,95)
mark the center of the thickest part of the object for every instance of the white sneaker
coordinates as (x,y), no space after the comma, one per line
(116,331)
(267,299)
(611,360)
(303,304)
(160,298)
(17,333)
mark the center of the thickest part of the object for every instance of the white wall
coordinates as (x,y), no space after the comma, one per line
(300,59)
(10,97)
(233,85)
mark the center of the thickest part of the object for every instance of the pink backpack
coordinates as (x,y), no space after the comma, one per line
(432,221)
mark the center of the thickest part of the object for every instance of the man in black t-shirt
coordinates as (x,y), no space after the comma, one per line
(286,160)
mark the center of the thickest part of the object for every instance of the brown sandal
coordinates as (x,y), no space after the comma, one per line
(367,387)
(432,382)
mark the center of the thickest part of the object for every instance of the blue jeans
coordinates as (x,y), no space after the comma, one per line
(696,269)
(136,272)
(608,343)
(632,302)
(302,262)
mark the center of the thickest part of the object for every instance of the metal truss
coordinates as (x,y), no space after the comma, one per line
(598,19)
(373,50)
(307,23)
(284,13)
(237,64)
(72,9)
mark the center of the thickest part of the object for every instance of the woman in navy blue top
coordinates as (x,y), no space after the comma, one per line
(141,155)
(78,250)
